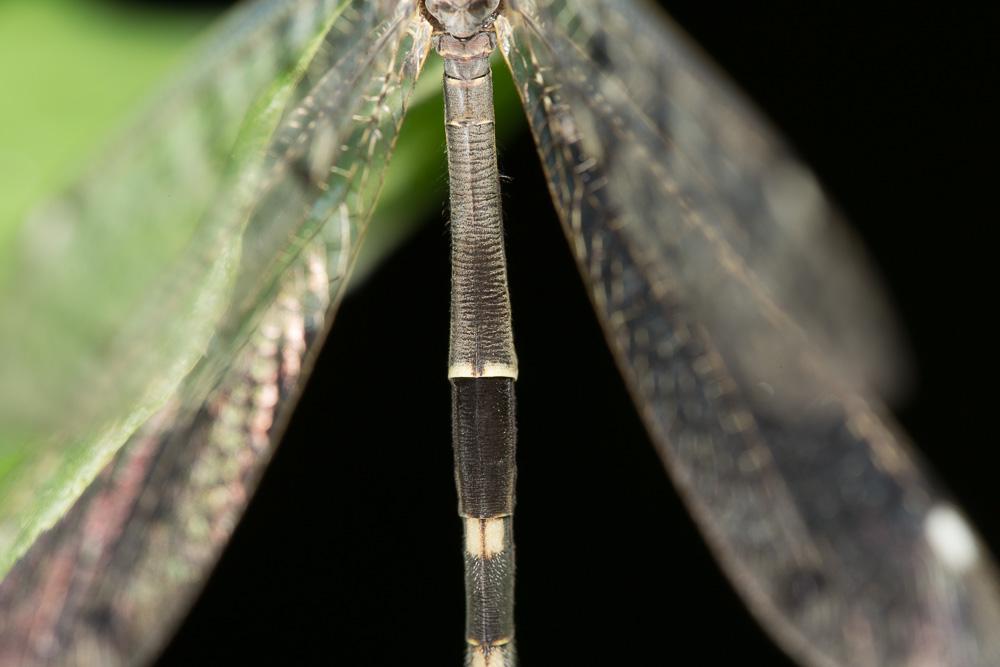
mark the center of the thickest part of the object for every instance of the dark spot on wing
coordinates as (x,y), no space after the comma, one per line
(800,587)
(598,48)
(300,169)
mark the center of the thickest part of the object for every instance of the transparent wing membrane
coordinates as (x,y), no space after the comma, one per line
(251,185)
(749,331)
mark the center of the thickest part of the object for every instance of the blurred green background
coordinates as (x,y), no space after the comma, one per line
(73,71)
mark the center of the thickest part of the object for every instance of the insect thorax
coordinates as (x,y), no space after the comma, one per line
(462,18)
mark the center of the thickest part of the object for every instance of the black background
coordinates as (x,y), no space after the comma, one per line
(350,552)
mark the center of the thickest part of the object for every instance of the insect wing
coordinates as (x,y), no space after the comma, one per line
(114,289)
(746,325)
(280,205)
